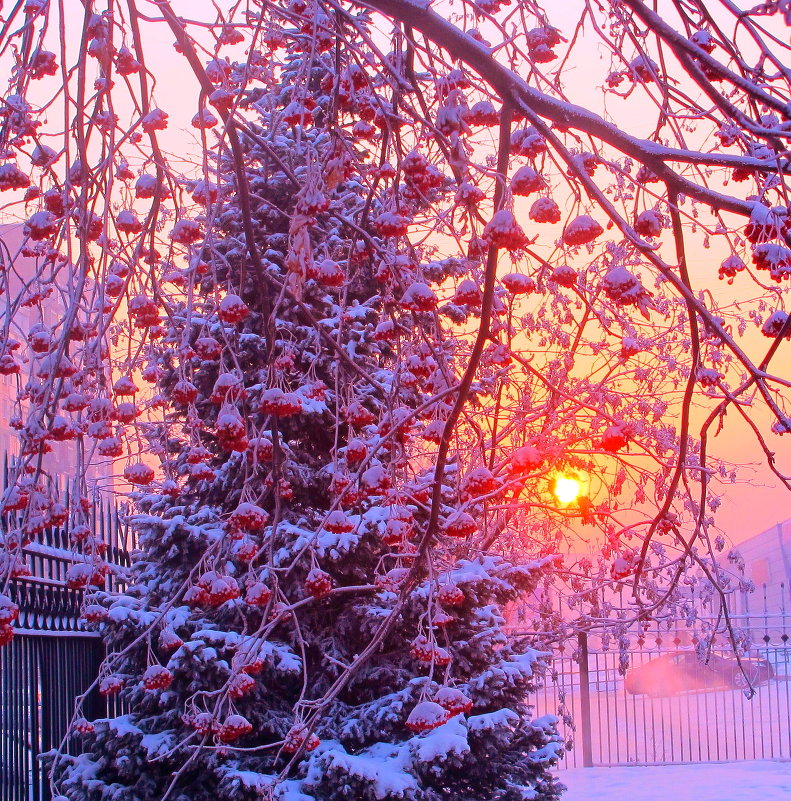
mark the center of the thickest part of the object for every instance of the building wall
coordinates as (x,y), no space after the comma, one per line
(63,459)
(767,558)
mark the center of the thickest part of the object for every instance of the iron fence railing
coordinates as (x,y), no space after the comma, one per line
(608,720)
(40,677)
(46,606)
(52,658)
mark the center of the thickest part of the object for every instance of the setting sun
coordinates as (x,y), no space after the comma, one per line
(566,490)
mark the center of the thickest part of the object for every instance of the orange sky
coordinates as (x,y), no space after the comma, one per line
(756,501)
(751,505)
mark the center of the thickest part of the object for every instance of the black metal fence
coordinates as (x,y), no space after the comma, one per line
(52,658)
(613,720)
(40,676)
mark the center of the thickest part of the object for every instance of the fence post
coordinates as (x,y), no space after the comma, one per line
(584,727)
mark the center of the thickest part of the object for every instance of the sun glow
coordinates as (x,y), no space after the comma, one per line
(566,489)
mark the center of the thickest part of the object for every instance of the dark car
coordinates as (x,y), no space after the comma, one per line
(682,671)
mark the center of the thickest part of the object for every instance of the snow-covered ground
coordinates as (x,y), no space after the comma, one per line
(732,781)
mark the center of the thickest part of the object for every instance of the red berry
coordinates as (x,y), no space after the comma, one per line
(157,677)
(297,735)
(318,583)
(234,727)
(427,715)
(232,309)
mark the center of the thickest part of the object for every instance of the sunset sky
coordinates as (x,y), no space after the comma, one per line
(755,501)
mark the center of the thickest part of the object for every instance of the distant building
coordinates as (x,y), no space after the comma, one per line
(61,462)
(767,563)
(763,560)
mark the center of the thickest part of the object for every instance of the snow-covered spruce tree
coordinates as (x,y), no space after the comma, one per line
(472,260)
(290,629)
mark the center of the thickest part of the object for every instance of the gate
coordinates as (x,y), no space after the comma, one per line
(607,724)
(50,661)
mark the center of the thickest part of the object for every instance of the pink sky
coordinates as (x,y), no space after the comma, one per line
(751,505)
